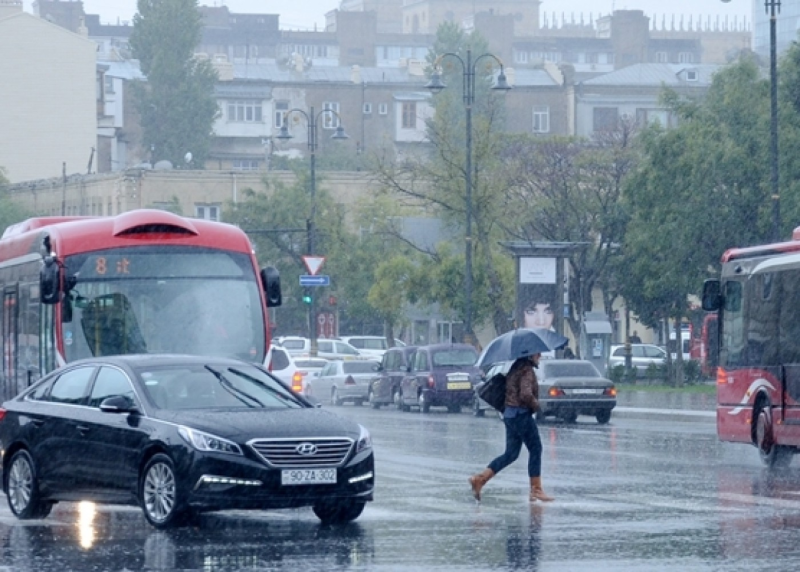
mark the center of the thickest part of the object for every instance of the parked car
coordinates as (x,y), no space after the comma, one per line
(326,348)
(281,364)
(642,355)
(385,387)
(309,368)
(570,387)
(179,435)
(368,346)
(344,381)
(440,375)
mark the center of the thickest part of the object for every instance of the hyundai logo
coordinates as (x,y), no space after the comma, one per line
(306,449)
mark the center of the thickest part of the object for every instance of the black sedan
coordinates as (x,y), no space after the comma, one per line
(179,435)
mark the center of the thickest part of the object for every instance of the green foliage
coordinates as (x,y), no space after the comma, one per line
(656,373)
(617,374)
(692,372)
(177,104)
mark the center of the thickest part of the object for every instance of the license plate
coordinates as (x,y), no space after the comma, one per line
(585,391)
(308,477)
(459,385)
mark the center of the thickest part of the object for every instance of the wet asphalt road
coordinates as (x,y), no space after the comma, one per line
(653,490)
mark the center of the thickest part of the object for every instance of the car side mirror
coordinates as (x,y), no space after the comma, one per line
(118,404)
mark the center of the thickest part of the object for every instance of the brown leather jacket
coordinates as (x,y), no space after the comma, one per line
(522,389)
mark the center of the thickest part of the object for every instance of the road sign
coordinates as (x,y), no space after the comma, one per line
(311,280)
(313,263)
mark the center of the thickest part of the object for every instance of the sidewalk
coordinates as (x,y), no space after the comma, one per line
(700,407)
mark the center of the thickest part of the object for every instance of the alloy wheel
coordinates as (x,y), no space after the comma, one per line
(159,492)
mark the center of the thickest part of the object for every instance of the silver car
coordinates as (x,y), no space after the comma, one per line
(642,355)
(344,381)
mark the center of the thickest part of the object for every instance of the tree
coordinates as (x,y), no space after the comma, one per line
(434,178)
(177,104)
(10,211)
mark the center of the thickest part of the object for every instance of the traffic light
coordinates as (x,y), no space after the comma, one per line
(306,297)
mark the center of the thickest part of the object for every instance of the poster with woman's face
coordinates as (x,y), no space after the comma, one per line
(537,303)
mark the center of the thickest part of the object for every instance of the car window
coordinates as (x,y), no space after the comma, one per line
(346,349)
(279,359)
(637,351)
(294,344)
(359,367)
(40,392)
(110,382)
(371,344)
(325,346)
(654,352)
(619,352)
(71,386)
(574,369)
(454,358)
(211,387)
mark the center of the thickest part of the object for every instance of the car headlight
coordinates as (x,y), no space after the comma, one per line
(364,440)
(208,442)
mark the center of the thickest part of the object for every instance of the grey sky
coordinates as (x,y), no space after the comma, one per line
(306,13)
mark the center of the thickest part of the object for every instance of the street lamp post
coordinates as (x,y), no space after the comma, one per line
(773,7)
(311,121)
(436,85)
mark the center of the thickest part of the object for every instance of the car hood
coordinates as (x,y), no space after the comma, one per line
(242,425)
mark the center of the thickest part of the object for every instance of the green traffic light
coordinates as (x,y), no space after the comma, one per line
(306,299)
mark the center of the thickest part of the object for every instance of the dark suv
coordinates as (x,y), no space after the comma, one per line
(440,375)
(385,388)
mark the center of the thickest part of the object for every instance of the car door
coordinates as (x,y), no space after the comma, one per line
(382,385)
(323,384)
(55,441)
(412,382)
(112,441)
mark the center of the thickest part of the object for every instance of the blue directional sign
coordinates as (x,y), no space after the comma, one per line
(315,280)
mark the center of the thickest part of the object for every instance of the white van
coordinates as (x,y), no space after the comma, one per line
(368,346)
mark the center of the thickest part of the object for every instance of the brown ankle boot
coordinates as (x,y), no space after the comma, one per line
(536,491)
(477,482)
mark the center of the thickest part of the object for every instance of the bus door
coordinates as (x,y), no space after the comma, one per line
(9,338)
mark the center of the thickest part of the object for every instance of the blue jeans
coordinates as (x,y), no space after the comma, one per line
(521,429)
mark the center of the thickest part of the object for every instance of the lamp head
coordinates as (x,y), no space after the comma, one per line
(339,133)
(436,84)
(284,134)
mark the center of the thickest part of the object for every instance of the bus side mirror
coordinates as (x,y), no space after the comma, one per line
(50,281)
(271,281)
(712,296)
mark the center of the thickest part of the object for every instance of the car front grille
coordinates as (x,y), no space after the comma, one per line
(328,452)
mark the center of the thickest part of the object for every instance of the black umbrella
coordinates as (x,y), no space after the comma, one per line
(520,343)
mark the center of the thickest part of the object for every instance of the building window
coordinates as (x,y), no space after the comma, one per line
(330,119)
(244,111)
(207,212)
(662,57)
(245,165)
(692,75)
(686,58)
(281,108)
(367,108)
(541,119)
(383,109)
(648,116)
(605,118)
(409,120)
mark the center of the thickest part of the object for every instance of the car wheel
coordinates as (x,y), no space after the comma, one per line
(22,487)
(570,417)
(454,408)
(338,512)
(772,454)
(358,402)
(371,399)
(424,404)
(159,495)
(335,399)
(603,416)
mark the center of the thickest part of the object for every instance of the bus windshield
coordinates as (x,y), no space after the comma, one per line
(162,299)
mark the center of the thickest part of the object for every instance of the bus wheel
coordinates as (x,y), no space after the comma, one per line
(772,454)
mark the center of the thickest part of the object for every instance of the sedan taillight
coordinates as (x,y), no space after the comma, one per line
(610,391)
(297,382)
(555,392)
(2,413)
(431,382)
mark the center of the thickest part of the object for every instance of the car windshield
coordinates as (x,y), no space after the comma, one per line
(162,299)
(358,367)
(454,358)
(369,343)
(293,344)
(572,369)
(213,387)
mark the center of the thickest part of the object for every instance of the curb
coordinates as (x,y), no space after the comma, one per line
(644,412)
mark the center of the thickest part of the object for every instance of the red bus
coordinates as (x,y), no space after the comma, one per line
(757,303)
(145,281)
